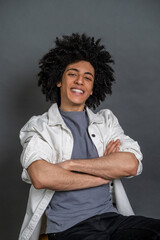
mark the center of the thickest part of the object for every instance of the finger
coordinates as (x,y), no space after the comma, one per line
(114,146)
(108,147)
(110,144)
(116,149)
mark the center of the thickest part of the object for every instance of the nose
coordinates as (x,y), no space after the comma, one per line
(79,80)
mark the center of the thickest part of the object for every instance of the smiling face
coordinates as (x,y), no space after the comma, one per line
(76,85)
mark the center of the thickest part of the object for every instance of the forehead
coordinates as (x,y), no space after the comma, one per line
(82,66)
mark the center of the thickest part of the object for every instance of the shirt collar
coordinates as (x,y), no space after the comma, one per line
(54,115)
(94,117)
(56,119)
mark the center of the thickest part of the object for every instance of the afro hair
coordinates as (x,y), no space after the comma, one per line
(71,49)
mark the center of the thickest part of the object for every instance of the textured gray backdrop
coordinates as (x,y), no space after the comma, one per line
(131,32)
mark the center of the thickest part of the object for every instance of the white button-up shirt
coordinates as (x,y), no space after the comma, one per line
(47,137)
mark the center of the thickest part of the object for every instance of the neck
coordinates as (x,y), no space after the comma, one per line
(72,108)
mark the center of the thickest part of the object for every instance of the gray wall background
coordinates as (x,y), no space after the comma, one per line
(131,32)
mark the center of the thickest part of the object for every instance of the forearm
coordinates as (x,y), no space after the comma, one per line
(115,165)
(54,177)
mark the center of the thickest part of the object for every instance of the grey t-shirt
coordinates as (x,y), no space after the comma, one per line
(68,208)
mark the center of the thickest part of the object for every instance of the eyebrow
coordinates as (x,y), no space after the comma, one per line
(75,69)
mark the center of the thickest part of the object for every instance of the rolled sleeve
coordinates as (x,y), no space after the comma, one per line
(127,143)
(35,149)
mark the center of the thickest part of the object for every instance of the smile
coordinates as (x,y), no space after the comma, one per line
(77,90)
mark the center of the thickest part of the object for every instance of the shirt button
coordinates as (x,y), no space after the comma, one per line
(93,135)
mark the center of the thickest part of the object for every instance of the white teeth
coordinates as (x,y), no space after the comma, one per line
(77,90)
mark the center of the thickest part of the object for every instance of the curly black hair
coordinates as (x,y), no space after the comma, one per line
(71,49)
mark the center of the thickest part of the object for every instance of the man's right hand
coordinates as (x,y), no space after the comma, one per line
(112,147)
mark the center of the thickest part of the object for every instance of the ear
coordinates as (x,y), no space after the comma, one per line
(91,93)
(59,84)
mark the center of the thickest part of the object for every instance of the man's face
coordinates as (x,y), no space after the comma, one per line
(76,85)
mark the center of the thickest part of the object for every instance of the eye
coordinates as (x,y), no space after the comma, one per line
(87,78)
(72,74)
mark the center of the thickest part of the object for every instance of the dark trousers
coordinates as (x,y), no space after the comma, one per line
(112,226)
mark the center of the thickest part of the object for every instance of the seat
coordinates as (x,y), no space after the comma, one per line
(43,237)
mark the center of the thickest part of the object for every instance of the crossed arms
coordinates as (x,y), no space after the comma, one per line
(98,171)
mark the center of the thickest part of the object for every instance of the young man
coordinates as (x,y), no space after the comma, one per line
(71,155)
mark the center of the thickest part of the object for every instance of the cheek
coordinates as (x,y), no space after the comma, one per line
(65,90)
(90,89)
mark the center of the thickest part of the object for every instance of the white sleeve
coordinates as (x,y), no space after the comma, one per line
(34,148)
(127,143)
